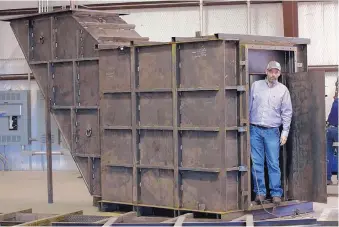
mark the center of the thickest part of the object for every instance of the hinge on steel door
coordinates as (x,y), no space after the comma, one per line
(242,168)
(241,129)
(242,63)
(241,88)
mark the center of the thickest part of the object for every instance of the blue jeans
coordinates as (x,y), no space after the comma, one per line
(265,142)
(331,136)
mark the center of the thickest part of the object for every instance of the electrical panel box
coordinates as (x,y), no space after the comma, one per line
(14,117)
(55,133)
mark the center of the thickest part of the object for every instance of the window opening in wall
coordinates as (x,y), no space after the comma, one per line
(13,123)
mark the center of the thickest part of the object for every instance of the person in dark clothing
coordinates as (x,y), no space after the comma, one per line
(332,135)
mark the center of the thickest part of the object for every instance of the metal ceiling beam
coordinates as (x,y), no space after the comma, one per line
(136,5)
(146,5)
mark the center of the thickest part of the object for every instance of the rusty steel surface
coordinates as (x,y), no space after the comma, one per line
(307,172)
(165,129)
(156,124)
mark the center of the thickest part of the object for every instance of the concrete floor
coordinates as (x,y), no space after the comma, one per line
(22,190)
(26,189)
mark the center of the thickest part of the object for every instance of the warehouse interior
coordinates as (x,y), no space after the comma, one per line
(24,145)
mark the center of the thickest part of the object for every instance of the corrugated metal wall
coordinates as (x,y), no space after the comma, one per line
(18,4)
(319,22)
(12,60)
(162,24)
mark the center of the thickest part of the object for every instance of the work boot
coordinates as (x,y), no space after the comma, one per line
(276,200)
(259,199)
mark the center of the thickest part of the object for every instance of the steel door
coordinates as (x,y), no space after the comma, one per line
(306,146)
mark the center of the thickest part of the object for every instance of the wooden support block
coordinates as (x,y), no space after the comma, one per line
(12,215)
(117,219)
(241,218)
(180,221)
(249,220)
(10,223)
(175,219)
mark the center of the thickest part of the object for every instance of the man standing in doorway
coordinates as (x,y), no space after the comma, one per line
(332,134)
(270,107)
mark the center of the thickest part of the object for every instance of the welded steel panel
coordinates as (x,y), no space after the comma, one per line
(232,120)
(40,41)
(87,84)
(116,110)
(203,191)
(95,165)
(87,132)
(154,67)
(155,109)
(156,187)
(156,148)
(196,64)
(230,103)
(117,184)
(306,145)
(245,189)
(117,147)
(62,86)
(205,110)
(80,43)
(84,17)
(201,149)
(232,191)
(116,116)
(199,109)
(232,149)
(64,26)
(114,70)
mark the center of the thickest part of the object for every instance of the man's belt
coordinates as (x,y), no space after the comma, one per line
(260,126)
